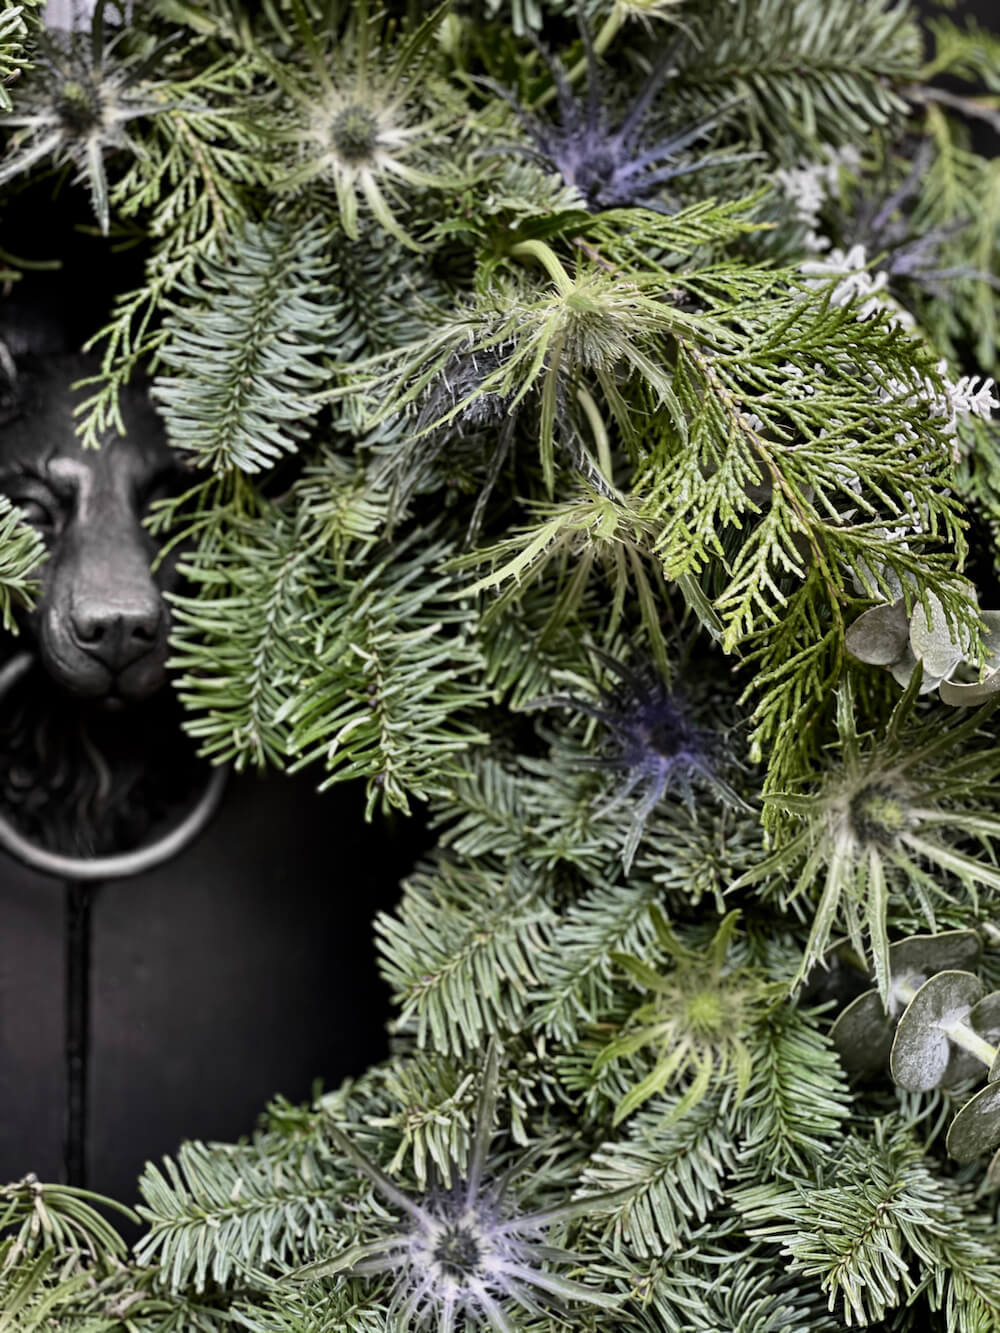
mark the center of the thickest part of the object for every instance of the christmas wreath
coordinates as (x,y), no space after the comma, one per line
(591,442)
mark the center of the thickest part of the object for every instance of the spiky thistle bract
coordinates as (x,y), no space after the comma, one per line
(613,160)
(76,106)
(464,1257)
(888,826)
(521,341)
(656,741)
(357,119)
(698,1019)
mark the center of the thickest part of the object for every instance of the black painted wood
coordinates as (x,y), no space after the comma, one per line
(243,969)
(32,1030)
(182,1000)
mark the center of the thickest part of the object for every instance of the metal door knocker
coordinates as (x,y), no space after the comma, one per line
(97,780)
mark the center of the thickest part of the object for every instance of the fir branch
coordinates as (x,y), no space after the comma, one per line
(882,1210)
(14,30)
(673,1169)
(22,550)
(797,1100)
(244,641)
(461,952)
(244,337)
(221,1212)
(804,79)
(392,680)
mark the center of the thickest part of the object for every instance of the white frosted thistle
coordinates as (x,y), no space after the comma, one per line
(463,1258)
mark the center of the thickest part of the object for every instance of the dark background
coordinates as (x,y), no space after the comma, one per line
(241,969)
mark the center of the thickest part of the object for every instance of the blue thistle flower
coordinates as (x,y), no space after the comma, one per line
(463,1257)
(77,104)
(612,160)
(655,743)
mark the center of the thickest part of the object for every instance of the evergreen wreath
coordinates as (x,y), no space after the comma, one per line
(635,357)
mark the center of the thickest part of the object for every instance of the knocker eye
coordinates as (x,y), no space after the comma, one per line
(36,513)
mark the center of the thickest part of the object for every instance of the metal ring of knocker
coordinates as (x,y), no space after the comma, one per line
(120,865)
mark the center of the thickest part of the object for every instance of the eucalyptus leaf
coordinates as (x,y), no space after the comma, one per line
(880,636)
(922,1049)
(932,641)
(976,1128)
(923,955)
(902,672)
(961,694)
(863,1035)
(993,1172)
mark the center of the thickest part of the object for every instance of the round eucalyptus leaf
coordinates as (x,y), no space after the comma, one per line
(976,1128)
(991,638)
(922,1050)
(903,670)
(993,1172)
(920,956)
(984,1019)
(959,694)
(880,636)
(862,1035)
(933,643)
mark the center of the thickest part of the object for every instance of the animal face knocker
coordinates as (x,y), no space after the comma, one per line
(92,761)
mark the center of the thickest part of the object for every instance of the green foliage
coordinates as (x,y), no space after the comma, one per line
(458,442)
(22,550)
(880,1208)
(243,339)
(220,1211)
(804,76)
(13,30)
(672,1167)
(286,659)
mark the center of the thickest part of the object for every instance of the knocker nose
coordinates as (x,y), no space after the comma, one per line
(116,636)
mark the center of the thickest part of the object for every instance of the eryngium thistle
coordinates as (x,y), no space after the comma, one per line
(357,119)
(613,160)
(889,830)
(75,107)
(655,742)
(463,1258)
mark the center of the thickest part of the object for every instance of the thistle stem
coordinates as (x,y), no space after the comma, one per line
(548,259)
(600,433)
(608,32)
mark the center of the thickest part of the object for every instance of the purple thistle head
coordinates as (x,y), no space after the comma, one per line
(612,159)
(465,1258)
(655,742)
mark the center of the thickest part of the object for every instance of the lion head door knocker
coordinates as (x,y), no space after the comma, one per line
(97,780)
